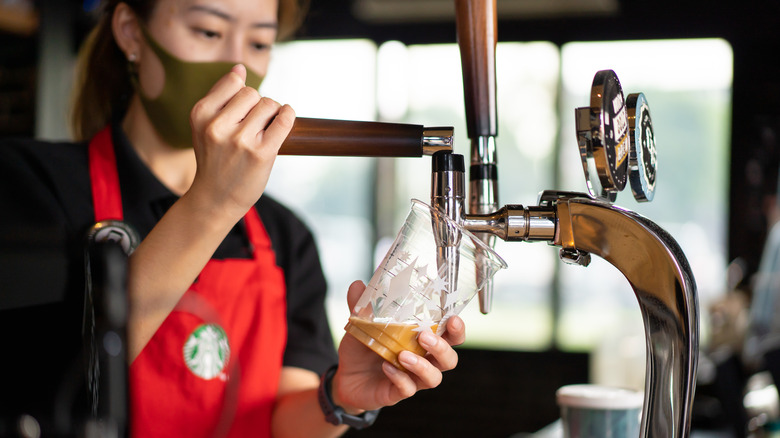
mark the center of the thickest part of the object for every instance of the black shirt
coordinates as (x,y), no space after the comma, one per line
(45,212)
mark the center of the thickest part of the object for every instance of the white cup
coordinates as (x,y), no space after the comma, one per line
(596,411)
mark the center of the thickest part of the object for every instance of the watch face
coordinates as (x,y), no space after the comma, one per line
(643,161)
(609,125)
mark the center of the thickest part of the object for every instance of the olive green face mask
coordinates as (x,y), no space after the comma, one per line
(185,84)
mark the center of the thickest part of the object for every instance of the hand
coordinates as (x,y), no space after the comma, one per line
(236,136)
(365,381)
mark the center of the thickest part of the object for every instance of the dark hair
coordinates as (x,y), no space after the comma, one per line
(103,88)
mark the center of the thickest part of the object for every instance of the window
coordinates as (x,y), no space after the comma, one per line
(688,87)
(527,75)
(334,196)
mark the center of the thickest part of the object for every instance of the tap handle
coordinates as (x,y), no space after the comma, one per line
(326,137)
(476,21)
(642,161)
(602,136)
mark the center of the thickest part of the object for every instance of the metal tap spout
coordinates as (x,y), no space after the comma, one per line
(447,196)
(655,266)
(515,223)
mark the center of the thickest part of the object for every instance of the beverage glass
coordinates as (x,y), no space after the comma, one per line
(596,411)
(432,270)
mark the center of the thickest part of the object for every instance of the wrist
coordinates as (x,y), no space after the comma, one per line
(333,412)
(334,392)
(214,215)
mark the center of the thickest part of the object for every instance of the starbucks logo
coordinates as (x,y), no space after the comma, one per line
(207,351)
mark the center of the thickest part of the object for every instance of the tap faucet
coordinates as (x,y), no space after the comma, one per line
(654,266)
(476,22)
(616,143)
(447,195)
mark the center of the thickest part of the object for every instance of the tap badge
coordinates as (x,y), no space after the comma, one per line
(620,130)
(648,146)
(642,161)
(607,100)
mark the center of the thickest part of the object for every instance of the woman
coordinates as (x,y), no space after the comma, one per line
(226,331)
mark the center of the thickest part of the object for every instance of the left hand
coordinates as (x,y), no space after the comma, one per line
(365,381)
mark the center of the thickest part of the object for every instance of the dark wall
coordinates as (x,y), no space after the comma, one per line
(491,394)
(17,85)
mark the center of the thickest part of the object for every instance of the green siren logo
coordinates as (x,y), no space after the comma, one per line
(207,351)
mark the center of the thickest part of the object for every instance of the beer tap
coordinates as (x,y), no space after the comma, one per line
(476,22)
(617,147)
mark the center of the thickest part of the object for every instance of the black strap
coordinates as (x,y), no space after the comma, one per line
(335,414)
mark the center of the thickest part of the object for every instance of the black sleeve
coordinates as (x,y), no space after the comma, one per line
(309,341)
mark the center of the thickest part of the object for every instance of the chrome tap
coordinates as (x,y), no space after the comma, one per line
(447,195)
(653,264)
(476,22)
(617,147)
(657,270)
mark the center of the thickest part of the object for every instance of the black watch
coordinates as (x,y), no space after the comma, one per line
(335,414)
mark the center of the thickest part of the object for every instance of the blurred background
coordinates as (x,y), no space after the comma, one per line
(708,70)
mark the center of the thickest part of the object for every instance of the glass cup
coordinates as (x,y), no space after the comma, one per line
(432,270)
(596,411)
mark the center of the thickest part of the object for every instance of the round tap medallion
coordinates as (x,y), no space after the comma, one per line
(610,127)
(207,351)
(643,162)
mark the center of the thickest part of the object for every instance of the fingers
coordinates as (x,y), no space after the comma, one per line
(422,372)
(240,70)
(232,110)
(280,126)
(403,383)
(456,331)
(353,293)
(440,353)
(220,94)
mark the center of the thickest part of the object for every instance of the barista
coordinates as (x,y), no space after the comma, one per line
(227,331)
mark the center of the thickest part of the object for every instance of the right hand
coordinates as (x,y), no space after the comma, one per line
(366,381)
(236,137)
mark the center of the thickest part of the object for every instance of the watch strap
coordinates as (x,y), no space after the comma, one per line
(335,414)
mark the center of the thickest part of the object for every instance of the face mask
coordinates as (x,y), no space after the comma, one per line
(185,84)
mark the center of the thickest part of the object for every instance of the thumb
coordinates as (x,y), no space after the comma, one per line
(354,292)
(240,70)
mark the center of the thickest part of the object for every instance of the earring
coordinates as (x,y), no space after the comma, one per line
(132,67)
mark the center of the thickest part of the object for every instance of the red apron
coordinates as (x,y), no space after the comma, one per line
(212,368)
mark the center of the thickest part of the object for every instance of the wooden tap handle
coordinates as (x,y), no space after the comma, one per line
(326,137)
(476,22)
